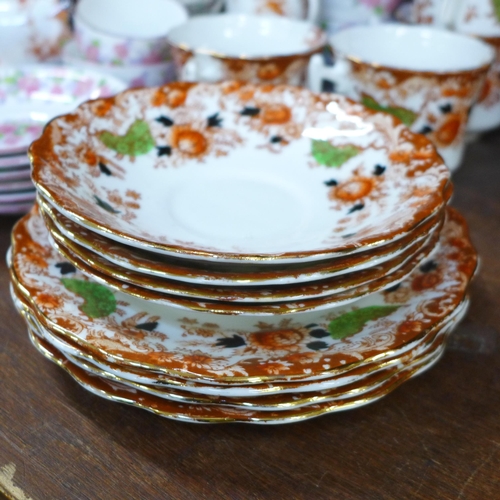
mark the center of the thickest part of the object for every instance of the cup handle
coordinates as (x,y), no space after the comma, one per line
(189,71)
(204,68)
(338,74)
(448,13)
(313,11)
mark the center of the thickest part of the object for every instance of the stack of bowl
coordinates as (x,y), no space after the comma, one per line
(124,39)
(29,97)
(236,252)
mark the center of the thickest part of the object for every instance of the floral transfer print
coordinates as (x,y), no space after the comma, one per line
(59,87)
(200,344)
(441,114)
(366,177)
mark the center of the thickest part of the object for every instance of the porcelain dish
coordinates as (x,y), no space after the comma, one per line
(214,273)
(29,97)
(236,252)
(142,333)
(184,170)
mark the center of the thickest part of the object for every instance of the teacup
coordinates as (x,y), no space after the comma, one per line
(133,75)
(480,18)
(297,9)
(258,49)
(341,14)
(32,30)
(427,77)
(197,7)
(474,17)
(485,114)
(122,32)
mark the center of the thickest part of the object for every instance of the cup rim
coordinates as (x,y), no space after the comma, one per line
(416,28)
(78,18)
(318,46)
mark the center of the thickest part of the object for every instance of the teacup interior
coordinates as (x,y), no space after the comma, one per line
(412,48)
(246,36)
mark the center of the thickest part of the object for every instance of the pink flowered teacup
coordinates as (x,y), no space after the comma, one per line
(122,32)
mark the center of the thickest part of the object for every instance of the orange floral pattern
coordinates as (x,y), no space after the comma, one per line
(84,162)
(137,332)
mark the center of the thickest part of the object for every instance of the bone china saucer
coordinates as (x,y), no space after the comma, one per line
(111,274)
(238,172)
(193,344)
(213,273)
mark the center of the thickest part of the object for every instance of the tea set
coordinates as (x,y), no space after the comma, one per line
(214,237)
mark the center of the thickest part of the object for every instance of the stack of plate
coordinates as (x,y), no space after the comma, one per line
(29,97)
(233,252)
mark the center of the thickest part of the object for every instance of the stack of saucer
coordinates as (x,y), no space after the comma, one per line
(29,97)
(235,252)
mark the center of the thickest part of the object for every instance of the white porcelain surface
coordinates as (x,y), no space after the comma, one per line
(126,31)
(245,36)
(341,14)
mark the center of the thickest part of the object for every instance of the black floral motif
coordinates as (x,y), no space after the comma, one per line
(429,266)
(234,341)
(425,130)
(105,205)
(331,183)
(249,111)
(149,327)
(66,268)
(317,346)
(379,170)
(355,208)
(214,120)
(275,139)
(165,120)
(393,288)
(446,108)
(164,150)
(318,333)
(104,169)
(348,235)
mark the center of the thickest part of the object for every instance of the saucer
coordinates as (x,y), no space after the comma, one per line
(238,172)
(200,345)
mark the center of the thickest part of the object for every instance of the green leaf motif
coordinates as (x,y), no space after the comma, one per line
(137,141)
(99,300)
(353,322)
(405,115)
(496,8)
(332,156)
